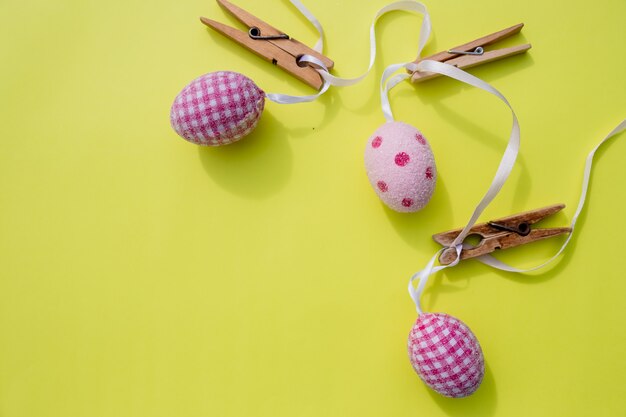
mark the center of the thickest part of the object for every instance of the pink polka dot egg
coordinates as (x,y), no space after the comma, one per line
(446,355)
(217,109)
(401,167)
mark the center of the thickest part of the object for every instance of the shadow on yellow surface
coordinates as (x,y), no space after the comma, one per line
(412,227)
(480,404)
(256,166)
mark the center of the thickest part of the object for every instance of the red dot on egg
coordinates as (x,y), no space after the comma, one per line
(377,142)
(407,202)
(402,159)
(420,139)
(429,173)
(382,186)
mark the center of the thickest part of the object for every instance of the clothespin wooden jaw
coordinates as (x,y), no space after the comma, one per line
(473,53)
(500,234)
(271,44)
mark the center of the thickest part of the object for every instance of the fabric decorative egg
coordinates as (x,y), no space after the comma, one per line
(217,108)
(401,167)
(446,355)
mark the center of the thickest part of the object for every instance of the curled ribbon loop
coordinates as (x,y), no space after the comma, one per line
(329,79)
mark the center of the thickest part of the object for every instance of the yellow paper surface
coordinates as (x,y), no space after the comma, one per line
(141,275)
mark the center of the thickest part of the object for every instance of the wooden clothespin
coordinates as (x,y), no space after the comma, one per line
(271,44)
(503,233)
(473,53)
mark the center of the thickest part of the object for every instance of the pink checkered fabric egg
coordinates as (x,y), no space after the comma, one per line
(401,167)
(446,355)
(217,108)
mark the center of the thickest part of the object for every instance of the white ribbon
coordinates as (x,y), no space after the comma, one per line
(502,173)
(319,45)
(493,262)
(430,269)
(405,5)
(329,79)
(422,276)
(510,153)
(385,86)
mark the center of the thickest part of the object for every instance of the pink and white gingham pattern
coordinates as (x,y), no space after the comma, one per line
(446,355)
(217,108)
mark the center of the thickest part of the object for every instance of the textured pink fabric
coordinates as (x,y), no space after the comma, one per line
(217,108)
(446,355)
(400,166)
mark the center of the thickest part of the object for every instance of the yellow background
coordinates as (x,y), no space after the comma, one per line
(141,275)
